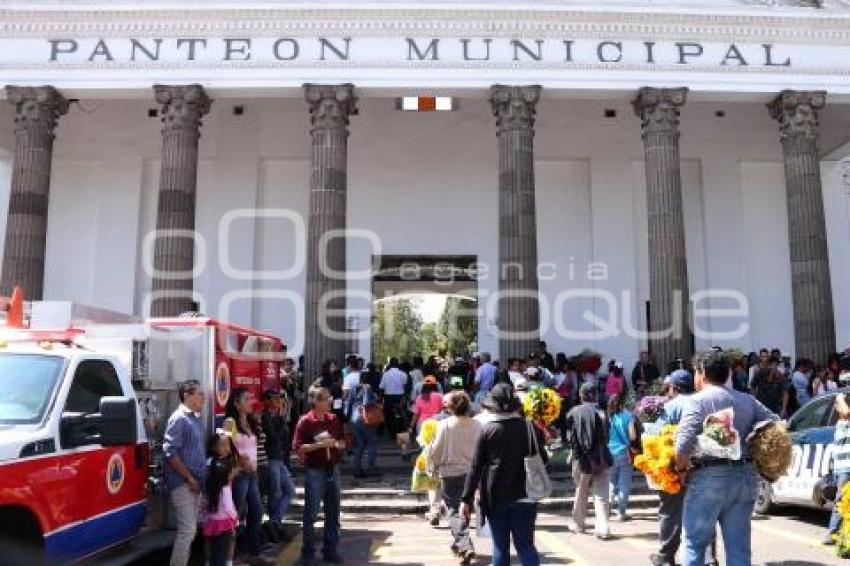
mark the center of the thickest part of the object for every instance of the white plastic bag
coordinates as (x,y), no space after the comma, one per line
(709,447)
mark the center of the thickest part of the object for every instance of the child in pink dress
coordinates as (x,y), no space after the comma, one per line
(219,517)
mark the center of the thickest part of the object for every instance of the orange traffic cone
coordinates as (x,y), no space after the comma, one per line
(15,317)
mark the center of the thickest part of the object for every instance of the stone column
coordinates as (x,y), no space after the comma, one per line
(519,308)
(37,110)
(174,249)
(325,329)
(658,109)
(814,325)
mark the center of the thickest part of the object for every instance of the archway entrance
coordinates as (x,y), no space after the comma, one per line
(424,305)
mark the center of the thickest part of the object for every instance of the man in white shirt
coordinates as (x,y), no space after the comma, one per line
(392,384)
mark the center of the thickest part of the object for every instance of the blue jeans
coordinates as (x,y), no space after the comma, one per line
(517,519)
(841,478)
(724,494)
(366,439)
(246,497)
(281,490)
(620,477)
(320,486)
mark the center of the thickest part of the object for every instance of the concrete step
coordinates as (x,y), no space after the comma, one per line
(411,506)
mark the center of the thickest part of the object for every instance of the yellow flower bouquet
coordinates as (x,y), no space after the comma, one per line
(421,480)
(843,506)
(658,460)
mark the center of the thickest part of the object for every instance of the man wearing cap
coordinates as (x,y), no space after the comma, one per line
(670,508)
(280,486)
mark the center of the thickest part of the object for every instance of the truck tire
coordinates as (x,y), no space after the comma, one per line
(764,498)
(21,552)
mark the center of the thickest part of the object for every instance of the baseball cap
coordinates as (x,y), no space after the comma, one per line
(682,379)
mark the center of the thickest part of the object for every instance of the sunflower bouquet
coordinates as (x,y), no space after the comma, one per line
(542,404)
(658,460)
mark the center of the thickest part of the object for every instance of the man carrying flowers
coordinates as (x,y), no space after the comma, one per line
(719,488)
(672,504)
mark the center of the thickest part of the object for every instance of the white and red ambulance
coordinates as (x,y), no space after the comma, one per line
(84,397)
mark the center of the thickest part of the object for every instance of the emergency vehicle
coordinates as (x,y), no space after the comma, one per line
(812,430)
(84,398)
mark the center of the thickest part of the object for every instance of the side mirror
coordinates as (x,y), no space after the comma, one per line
(114,425)
(118,421)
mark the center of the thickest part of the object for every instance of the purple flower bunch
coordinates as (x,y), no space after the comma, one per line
(649,408)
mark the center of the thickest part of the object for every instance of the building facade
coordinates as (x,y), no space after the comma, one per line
(599,162)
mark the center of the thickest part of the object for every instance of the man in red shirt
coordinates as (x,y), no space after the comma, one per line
(318,442)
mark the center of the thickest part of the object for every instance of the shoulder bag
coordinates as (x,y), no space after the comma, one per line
(537,483)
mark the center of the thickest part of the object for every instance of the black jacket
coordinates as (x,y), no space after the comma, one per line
(588,434)
(277,435)
(498,467)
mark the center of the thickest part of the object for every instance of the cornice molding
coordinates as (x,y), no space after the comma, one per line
(795,26)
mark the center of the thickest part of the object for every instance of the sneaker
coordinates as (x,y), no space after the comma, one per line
(659,560)
(455,551)
(467,556)
(333,557)
(604,536)
(623,517)
(829,539)
(433,519)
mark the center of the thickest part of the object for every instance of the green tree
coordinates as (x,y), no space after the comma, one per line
(459,325)
(396,330)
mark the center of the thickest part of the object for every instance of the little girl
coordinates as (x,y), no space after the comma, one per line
(219,513)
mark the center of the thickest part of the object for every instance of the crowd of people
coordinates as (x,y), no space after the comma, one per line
(479,453)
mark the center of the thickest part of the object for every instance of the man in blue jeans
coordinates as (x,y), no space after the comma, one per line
(318,442)
(840,462)
(719,489)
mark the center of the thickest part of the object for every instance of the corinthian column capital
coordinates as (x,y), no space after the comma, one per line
(514,106)
(183,106)
(658,109)
(330,105)
(37,105)
(797,112)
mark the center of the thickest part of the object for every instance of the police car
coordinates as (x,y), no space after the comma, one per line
(812,429)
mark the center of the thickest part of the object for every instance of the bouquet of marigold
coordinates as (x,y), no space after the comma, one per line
(649,408)
(658,460)
(843,506)
(542,404)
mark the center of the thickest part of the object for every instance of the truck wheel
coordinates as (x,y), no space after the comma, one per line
(764,498)
(21,552)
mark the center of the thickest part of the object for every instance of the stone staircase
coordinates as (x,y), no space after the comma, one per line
(390,494)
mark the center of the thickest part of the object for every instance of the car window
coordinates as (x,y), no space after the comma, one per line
(814,414)
(93,380)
